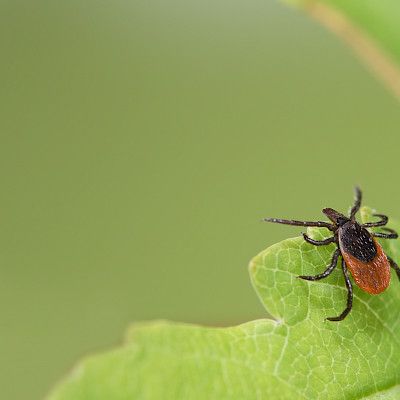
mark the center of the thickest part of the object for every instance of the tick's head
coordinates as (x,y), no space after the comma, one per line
(336,217)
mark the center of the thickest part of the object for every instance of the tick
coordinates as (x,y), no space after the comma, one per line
(359,251)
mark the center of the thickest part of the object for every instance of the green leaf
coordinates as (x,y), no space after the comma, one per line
(370,27)
(298,355)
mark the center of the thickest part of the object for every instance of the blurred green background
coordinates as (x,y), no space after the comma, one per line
(141,143)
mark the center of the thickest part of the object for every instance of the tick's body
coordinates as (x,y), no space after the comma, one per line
(364,258)
(361,253)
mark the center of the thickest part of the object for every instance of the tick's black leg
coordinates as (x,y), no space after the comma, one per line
(391,235)
(319,224)
(343,315)
(357,202)
(327,272)
(382,222)
(394,266)
(318,242)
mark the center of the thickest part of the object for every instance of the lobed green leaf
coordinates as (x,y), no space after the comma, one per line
(296,355)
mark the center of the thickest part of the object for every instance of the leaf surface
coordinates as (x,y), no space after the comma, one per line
(297,355)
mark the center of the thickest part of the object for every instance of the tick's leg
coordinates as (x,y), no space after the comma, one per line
(357,202)
(391,235)
(318,242)
(327,272)
(319,224)
(343,315)
(394,266)
(382,222)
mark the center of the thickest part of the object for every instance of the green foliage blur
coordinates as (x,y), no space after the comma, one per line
(141,144)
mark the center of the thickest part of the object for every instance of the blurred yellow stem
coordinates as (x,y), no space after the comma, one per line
(378,61)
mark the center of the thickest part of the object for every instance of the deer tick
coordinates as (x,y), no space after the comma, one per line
(358,248)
